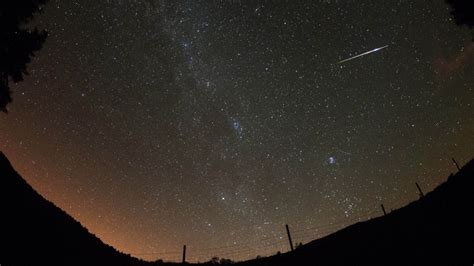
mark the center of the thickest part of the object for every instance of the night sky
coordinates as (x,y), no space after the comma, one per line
(215,123)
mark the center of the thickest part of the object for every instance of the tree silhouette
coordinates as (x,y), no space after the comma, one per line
(18,43)
(463,12)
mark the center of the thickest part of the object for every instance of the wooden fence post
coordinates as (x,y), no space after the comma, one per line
(289,237)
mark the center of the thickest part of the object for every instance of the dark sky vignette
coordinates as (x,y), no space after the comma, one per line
(214,123)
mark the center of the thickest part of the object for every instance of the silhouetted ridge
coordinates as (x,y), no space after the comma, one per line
(435,230)
(438,229)
(34,231)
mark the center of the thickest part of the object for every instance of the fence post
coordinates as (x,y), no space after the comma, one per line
(419,190)
(184,254)
(456,163)
(289,237)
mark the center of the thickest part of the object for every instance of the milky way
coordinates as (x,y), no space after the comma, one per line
(215,123)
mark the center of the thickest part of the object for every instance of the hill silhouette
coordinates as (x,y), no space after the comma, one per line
(438,229)
(33,231)
(435,230)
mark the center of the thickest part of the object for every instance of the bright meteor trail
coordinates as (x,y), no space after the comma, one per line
(366,53)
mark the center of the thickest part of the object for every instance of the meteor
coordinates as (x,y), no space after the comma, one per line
(359,55)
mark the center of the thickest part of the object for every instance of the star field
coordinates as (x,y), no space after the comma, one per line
(215,123)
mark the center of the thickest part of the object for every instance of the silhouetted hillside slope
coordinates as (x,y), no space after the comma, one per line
(438,229)
(33,231)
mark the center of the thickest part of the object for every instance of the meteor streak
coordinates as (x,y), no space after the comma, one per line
(366,53)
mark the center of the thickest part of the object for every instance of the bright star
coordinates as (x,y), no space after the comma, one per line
(238,129)
(332,160)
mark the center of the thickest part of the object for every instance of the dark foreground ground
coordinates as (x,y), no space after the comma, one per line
(435,230)
(438,229)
